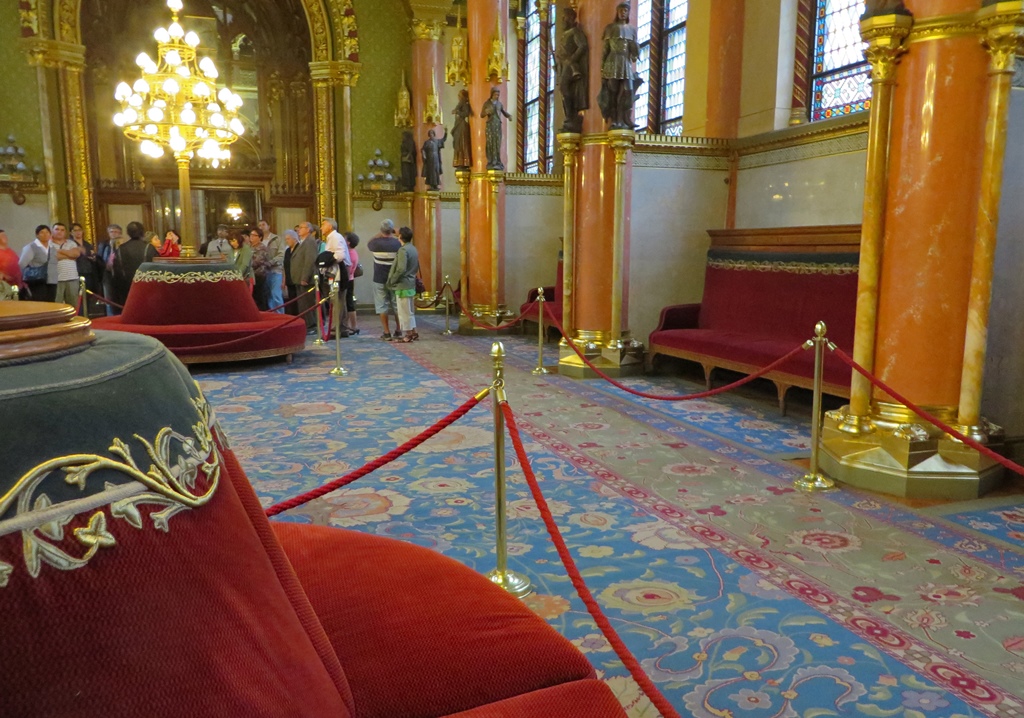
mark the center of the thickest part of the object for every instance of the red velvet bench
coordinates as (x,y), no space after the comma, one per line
(204,312)
(552,300)
(139,575)
(759,305)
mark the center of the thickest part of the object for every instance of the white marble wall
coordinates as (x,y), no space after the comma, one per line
(533,231)
(20,222)
(367,220)
(672,209)
(1004,368)
(796,190)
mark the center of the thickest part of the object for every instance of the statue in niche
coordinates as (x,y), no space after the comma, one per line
(408,159)
(432,159)
(619,78)
(493,111)
(572,61)
(462,142)
(873,8)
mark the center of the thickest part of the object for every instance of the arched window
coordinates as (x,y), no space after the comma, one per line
(661,34)
(840,76)
(538,116)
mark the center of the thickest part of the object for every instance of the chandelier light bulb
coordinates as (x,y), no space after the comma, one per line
(135,100)
(177,143)
(146,146)
(150,129)
(201,89)
(155,114)
(119,119)
(188,116)
(236,126)
(123,92)
(130,116)
(224,95)
(217,119)
(142,60)
(175,5)
(192,39)
(213,107)
(208,68)
(171,86)
(183,71)
(162,35)
(176,31)
(141,86)
(172,57)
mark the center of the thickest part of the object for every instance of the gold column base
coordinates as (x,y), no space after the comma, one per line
(512,582)
(488,316)
(910,459)
(615,357)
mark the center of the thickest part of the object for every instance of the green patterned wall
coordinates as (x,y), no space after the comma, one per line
(19,93)
(385,50)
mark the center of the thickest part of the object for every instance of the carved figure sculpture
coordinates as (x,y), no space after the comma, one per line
(493,111)
(874,8)
(462,143)
(408,158)
(619,79)
(573,59)
(431,153)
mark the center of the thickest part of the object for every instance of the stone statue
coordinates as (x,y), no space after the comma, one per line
(431,153)
(619,79)
(573,59)
(408,158)
(874,8)
(462,142)
(492,112)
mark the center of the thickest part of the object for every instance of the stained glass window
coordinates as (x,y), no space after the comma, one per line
(538,117)
(661,33)
(840,76)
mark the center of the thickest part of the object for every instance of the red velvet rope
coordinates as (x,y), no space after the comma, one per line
(437,297)
(681,397)
(489,328)
(379,462)
(980,448)
(286,304)
(78,304)
(627,658)
(104,299)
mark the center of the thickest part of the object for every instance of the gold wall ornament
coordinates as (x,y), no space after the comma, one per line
(497,61)
(347,30)
(183,473)
(432,114)
(28,18)
(403,113)
(430,30)
(456,70)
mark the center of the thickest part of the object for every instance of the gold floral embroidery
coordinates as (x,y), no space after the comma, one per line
(788,267)
(176,463)
(226,275)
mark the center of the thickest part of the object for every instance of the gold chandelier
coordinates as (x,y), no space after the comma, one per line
(176,104)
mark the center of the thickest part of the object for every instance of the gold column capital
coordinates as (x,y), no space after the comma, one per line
(569,143)
(462,177)
(430,30)
(1003,23)
(884,35)
(621,142)
(496,178)
(332,73)
(54,54)
(542,9)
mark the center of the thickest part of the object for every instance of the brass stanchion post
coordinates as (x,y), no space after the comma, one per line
(512,582)
(84,301)
(447,307)
(540,370)
(319,317)
(338,369)
(814,480)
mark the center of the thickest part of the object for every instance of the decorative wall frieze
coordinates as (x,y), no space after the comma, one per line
(855,142)
(944,27)
(54,54)
(678,161)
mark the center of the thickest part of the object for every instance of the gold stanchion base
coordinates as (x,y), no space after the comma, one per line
(617,358)
(447,333)
(911,459)
(512,582)
(339,371)
(318,342)
(814,482)
(488,316)
(540,371)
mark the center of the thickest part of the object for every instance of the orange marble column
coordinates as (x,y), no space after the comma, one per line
(601,271)
(427,76)
(725,73)
(936,146)
(486,189)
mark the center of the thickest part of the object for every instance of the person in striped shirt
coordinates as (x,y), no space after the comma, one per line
(68,251)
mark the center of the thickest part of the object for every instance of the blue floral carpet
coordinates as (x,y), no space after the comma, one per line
(740,596)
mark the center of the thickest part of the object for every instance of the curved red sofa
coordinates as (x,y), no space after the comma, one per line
(204,312)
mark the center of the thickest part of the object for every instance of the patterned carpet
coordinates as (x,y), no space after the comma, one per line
(739,595)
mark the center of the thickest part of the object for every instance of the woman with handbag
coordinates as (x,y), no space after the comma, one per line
(402,281)
(10,272)
(34,264)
